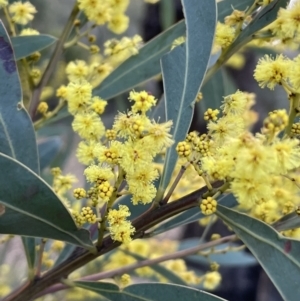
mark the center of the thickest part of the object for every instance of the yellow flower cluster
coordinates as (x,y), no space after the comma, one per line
(211,114)
(110,12)
(85,216)
(257,167)
(225,35)
(287,25)
(119,227)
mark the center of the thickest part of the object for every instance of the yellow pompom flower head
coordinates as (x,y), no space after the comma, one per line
(270,72)
(22,13)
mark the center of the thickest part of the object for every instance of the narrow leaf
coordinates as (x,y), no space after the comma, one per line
(192,215)
(264,17)
(26,45)
(183,71)
(230,258)
(147,292)
(16,131)
(32,208)
(287,222)
(48,150)
(278,256)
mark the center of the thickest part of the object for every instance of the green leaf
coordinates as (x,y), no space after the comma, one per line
(264,17)
(192,215)
(16,131)
(167,13)
(168,274)
(26,45)
(48,150)
(287,222)
(33,209)
(140,67)
(147,292)
(228,259)
(278,256)
(183,71)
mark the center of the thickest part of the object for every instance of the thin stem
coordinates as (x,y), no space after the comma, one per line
(39,123)
(140,264)
(207,182)
(207,228)
(9,21)
(171,190)
(53,61)
(294,104)
(109,205)
(40,258)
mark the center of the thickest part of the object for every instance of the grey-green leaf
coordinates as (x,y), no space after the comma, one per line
(183,70)
(147,292)
(16,131)
(278,256)
(192,215)
(48,150)
(33,209)
(26,45)
(287,222)
(230,258)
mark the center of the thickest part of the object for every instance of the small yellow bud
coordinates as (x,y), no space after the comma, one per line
(208,206)
(35,57)
(111,134)
(92,38)
(125,280)
(35,73)
(77,22)
(215,236)
(79,193)
(94,49)
(183,149)
(55,171)
(211,114)
(42,108)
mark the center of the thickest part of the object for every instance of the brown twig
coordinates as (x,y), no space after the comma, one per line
(140,264)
